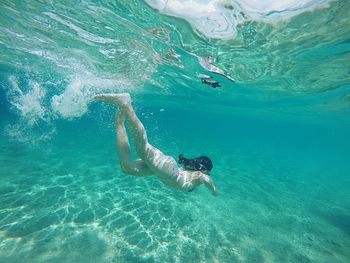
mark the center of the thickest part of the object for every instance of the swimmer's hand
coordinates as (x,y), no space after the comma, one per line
(215,192)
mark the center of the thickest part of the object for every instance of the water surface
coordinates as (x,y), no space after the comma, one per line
(277,130)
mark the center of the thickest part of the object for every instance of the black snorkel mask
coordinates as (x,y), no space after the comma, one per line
(201,163)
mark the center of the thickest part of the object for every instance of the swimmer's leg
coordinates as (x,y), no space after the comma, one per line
(154,158)
(129,166)
(123,101)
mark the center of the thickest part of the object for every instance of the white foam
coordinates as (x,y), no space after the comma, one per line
(33,114)
(29,104)
(73,102)
(219,18)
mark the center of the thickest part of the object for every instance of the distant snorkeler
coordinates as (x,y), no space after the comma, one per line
(152,161)
(208,81)
(213,83)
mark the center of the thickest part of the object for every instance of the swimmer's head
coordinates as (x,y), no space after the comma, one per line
(202,163)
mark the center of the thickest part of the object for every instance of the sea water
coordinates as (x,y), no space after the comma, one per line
(277,130)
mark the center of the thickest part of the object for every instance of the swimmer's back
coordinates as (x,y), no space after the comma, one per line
(162,165)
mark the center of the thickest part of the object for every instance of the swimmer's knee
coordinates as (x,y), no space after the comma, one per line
(126,168)
(132,168)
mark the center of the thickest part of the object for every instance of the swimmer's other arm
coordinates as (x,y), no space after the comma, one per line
(210,184)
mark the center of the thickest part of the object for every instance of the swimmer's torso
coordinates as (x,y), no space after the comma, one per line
(165,167)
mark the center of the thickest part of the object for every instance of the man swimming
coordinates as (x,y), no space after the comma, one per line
(152,161)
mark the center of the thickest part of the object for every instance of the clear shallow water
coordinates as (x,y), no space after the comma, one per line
(278,140)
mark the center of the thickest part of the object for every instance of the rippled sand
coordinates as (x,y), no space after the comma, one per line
(72,204)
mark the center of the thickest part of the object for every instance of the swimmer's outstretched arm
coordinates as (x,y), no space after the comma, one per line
(206,180)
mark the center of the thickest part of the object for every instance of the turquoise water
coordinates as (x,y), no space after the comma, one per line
(277,130)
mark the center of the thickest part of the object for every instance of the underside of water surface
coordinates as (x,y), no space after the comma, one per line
(261,87)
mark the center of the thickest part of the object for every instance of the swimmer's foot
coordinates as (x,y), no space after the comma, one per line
(119,99)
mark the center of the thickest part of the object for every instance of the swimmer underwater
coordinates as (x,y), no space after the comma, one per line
(152,161)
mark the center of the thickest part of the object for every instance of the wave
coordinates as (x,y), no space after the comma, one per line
(220,18)
(56,57)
